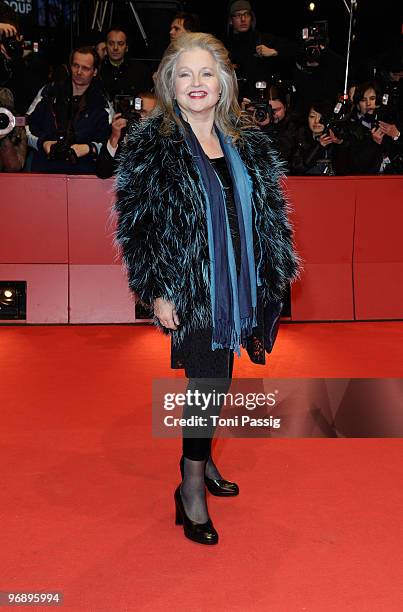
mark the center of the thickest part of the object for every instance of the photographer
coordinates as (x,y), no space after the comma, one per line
(119,74)
(13,144)
(69,119)
(319,72)
(375,145)
(390,77)
(108,156)
(319,150)
(274,118)
(8,30)
(255,55)
(24,71)
(21,70)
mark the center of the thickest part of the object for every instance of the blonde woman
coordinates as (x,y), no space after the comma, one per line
(202,225)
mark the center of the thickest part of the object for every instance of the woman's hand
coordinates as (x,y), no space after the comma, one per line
(166,313)
(329,138)
(325,140)
(377,135)
(389,129)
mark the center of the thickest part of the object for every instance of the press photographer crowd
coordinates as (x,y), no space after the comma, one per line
(73,118)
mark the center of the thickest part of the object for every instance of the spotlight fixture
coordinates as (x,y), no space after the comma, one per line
(311,6)
(13,300)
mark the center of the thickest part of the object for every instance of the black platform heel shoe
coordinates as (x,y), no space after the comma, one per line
(217,486)
(203,533)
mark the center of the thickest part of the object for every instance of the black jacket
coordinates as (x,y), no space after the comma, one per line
(49,115)
(130,77)
(253,68)
(283,137)
(311,158)
(106,164)
(323,82)
(365,156)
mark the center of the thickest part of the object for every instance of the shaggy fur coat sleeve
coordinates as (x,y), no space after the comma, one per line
(141,231)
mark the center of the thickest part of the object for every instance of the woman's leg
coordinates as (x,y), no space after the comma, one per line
(211,470)
(197,462)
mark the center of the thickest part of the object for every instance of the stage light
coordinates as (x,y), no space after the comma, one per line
(13,300)
(8,294)
(311,6)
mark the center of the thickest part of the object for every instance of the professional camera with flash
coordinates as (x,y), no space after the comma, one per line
(128,106)
(259,107)
(314,38)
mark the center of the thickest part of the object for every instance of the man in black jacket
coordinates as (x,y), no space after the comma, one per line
(255,55)
(69,120)
(119,74)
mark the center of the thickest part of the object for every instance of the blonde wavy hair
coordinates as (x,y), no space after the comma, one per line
(229,117)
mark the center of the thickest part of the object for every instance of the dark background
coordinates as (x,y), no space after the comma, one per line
(63,23)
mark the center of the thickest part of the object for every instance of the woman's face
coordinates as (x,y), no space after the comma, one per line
(279,110)
(367,103)
(314,122)
(197,88)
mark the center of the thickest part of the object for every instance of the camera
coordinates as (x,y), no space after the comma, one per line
(15,48)
(8,121)
(388,110)
(128,106)
(337,122)
(61,150)
(259,107)
(314,38)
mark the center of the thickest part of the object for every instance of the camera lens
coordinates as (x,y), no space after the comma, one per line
(260,115)
(4,121)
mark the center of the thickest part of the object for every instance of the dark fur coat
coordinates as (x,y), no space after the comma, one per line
(162,229)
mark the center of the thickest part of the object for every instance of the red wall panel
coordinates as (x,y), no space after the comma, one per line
(47,290)
(99,294)
(33,226)
(378,252)
(91,223)
(323,219)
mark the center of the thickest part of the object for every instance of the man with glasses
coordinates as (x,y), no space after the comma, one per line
(256,56)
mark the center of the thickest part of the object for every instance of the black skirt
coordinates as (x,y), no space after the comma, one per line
(196,355)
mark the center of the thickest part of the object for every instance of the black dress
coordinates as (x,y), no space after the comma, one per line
(195,354)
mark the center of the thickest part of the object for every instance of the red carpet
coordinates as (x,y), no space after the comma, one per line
(87,494)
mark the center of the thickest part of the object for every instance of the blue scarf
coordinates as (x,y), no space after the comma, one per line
(233,297)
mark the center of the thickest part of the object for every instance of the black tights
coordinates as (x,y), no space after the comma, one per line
(197,448)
